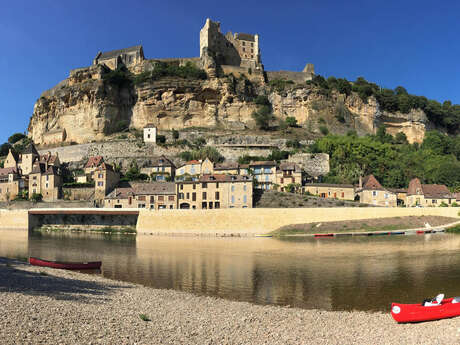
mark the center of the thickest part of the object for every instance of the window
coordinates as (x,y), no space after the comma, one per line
(47,177)
(374,193)
(204,185)
(204,205)
(385,195)
(188,196)
(100,175)
(244,49)
(100,184)
(141,198)
(266,178)
(181,187)
(217,204)
(152,199)
(233,188)
(193,196)
(210,205)
(434,201)
(217,185)
(245,198)
(171,198)
(244,187)
(244,43)
(343,195)
(181,195)
(204,195)
(194,186)
(267,171)
(282,180)
(141,206)
(233,199)
(217,195)
(148,136)
(161,198)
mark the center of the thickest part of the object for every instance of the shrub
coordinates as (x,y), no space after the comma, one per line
(294,143)
(443,204)
(121,126)
(161,139)
(454,204)
(175,134)
(36,197)
(291,121)
(262,100)
(279,85)
(119,77)
(262,117)
(324,130)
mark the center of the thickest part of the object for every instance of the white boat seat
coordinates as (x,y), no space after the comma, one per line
(435,301)
(456,300)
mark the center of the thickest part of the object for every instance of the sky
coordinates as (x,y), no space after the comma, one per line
(409,43)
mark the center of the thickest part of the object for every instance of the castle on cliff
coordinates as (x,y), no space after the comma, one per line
(237,53)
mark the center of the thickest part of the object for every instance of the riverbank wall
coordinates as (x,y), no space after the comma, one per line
(227,222)
(255,221)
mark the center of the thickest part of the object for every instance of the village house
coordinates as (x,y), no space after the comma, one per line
(370,191)
(45,180)
(191,170)
(328,190)
(105,179)
(264,173)
(288,174)
(229,168)
(428,195)
(161,169)
(215,191)
(401,195)
(91,165)
(24,161)
(11,184)
(152,196)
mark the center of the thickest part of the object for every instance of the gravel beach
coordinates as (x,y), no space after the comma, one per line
(45,306)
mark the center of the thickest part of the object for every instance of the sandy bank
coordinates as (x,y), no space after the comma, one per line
(47,306)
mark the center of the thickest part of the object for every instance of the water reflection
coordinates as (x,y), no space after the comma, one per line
(333,274)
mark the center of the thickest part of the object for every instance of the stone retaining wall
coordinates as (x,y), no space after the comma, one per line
(249,222)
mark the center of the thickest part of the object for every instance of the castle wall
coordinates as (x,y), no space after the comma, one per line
(237,71)
(296,77)
(54,137)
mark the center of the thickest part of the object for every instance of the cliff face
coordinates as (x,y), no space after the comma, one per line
(85,108)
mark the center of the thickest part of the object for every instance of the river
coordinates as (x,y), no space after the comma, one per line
(358,273)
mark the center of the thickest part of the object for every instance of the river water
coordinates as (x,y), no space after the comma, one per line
(360,273)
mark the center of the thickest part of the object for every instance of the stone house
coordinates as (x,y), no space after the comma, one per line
(45,180)
(401,195)
(229,168)
(370,191)
(24,161)
(105,179)
(115,58)
(329,190)
(160,169)
(194,168)
(428,195)
(152,196)
(215,191)
(288,173)
(150,134)
(264,173)
(11,183)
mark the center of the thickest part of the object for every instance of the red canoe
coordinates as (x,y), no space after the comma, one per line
(417,312)
(65,265)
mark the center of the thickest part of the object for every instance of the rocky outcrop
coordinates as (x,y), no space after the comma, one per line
(85,107)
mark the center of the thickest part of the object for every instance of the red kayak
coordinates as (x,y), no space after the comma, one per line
(442,309)
(65,265)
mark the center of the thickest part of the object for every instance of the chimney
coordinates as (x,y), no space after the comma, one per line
(360,182)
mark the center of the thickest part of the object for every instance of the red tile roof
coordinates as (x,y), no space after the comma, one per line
(94,162)
(432,191)
(371,183)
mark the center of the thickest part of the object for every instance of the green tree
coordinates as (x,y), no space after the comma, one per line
(262,117)
(175,134)
(15,138)
(291,121)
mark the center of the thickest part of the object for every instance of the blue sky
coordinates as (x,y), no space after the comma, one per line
(408,43)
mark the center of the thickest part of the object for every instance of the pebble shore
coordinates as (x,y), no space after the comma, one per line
(45,306)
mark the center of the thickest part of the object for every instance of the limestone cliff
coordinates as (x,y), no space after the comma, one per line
(85,107)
